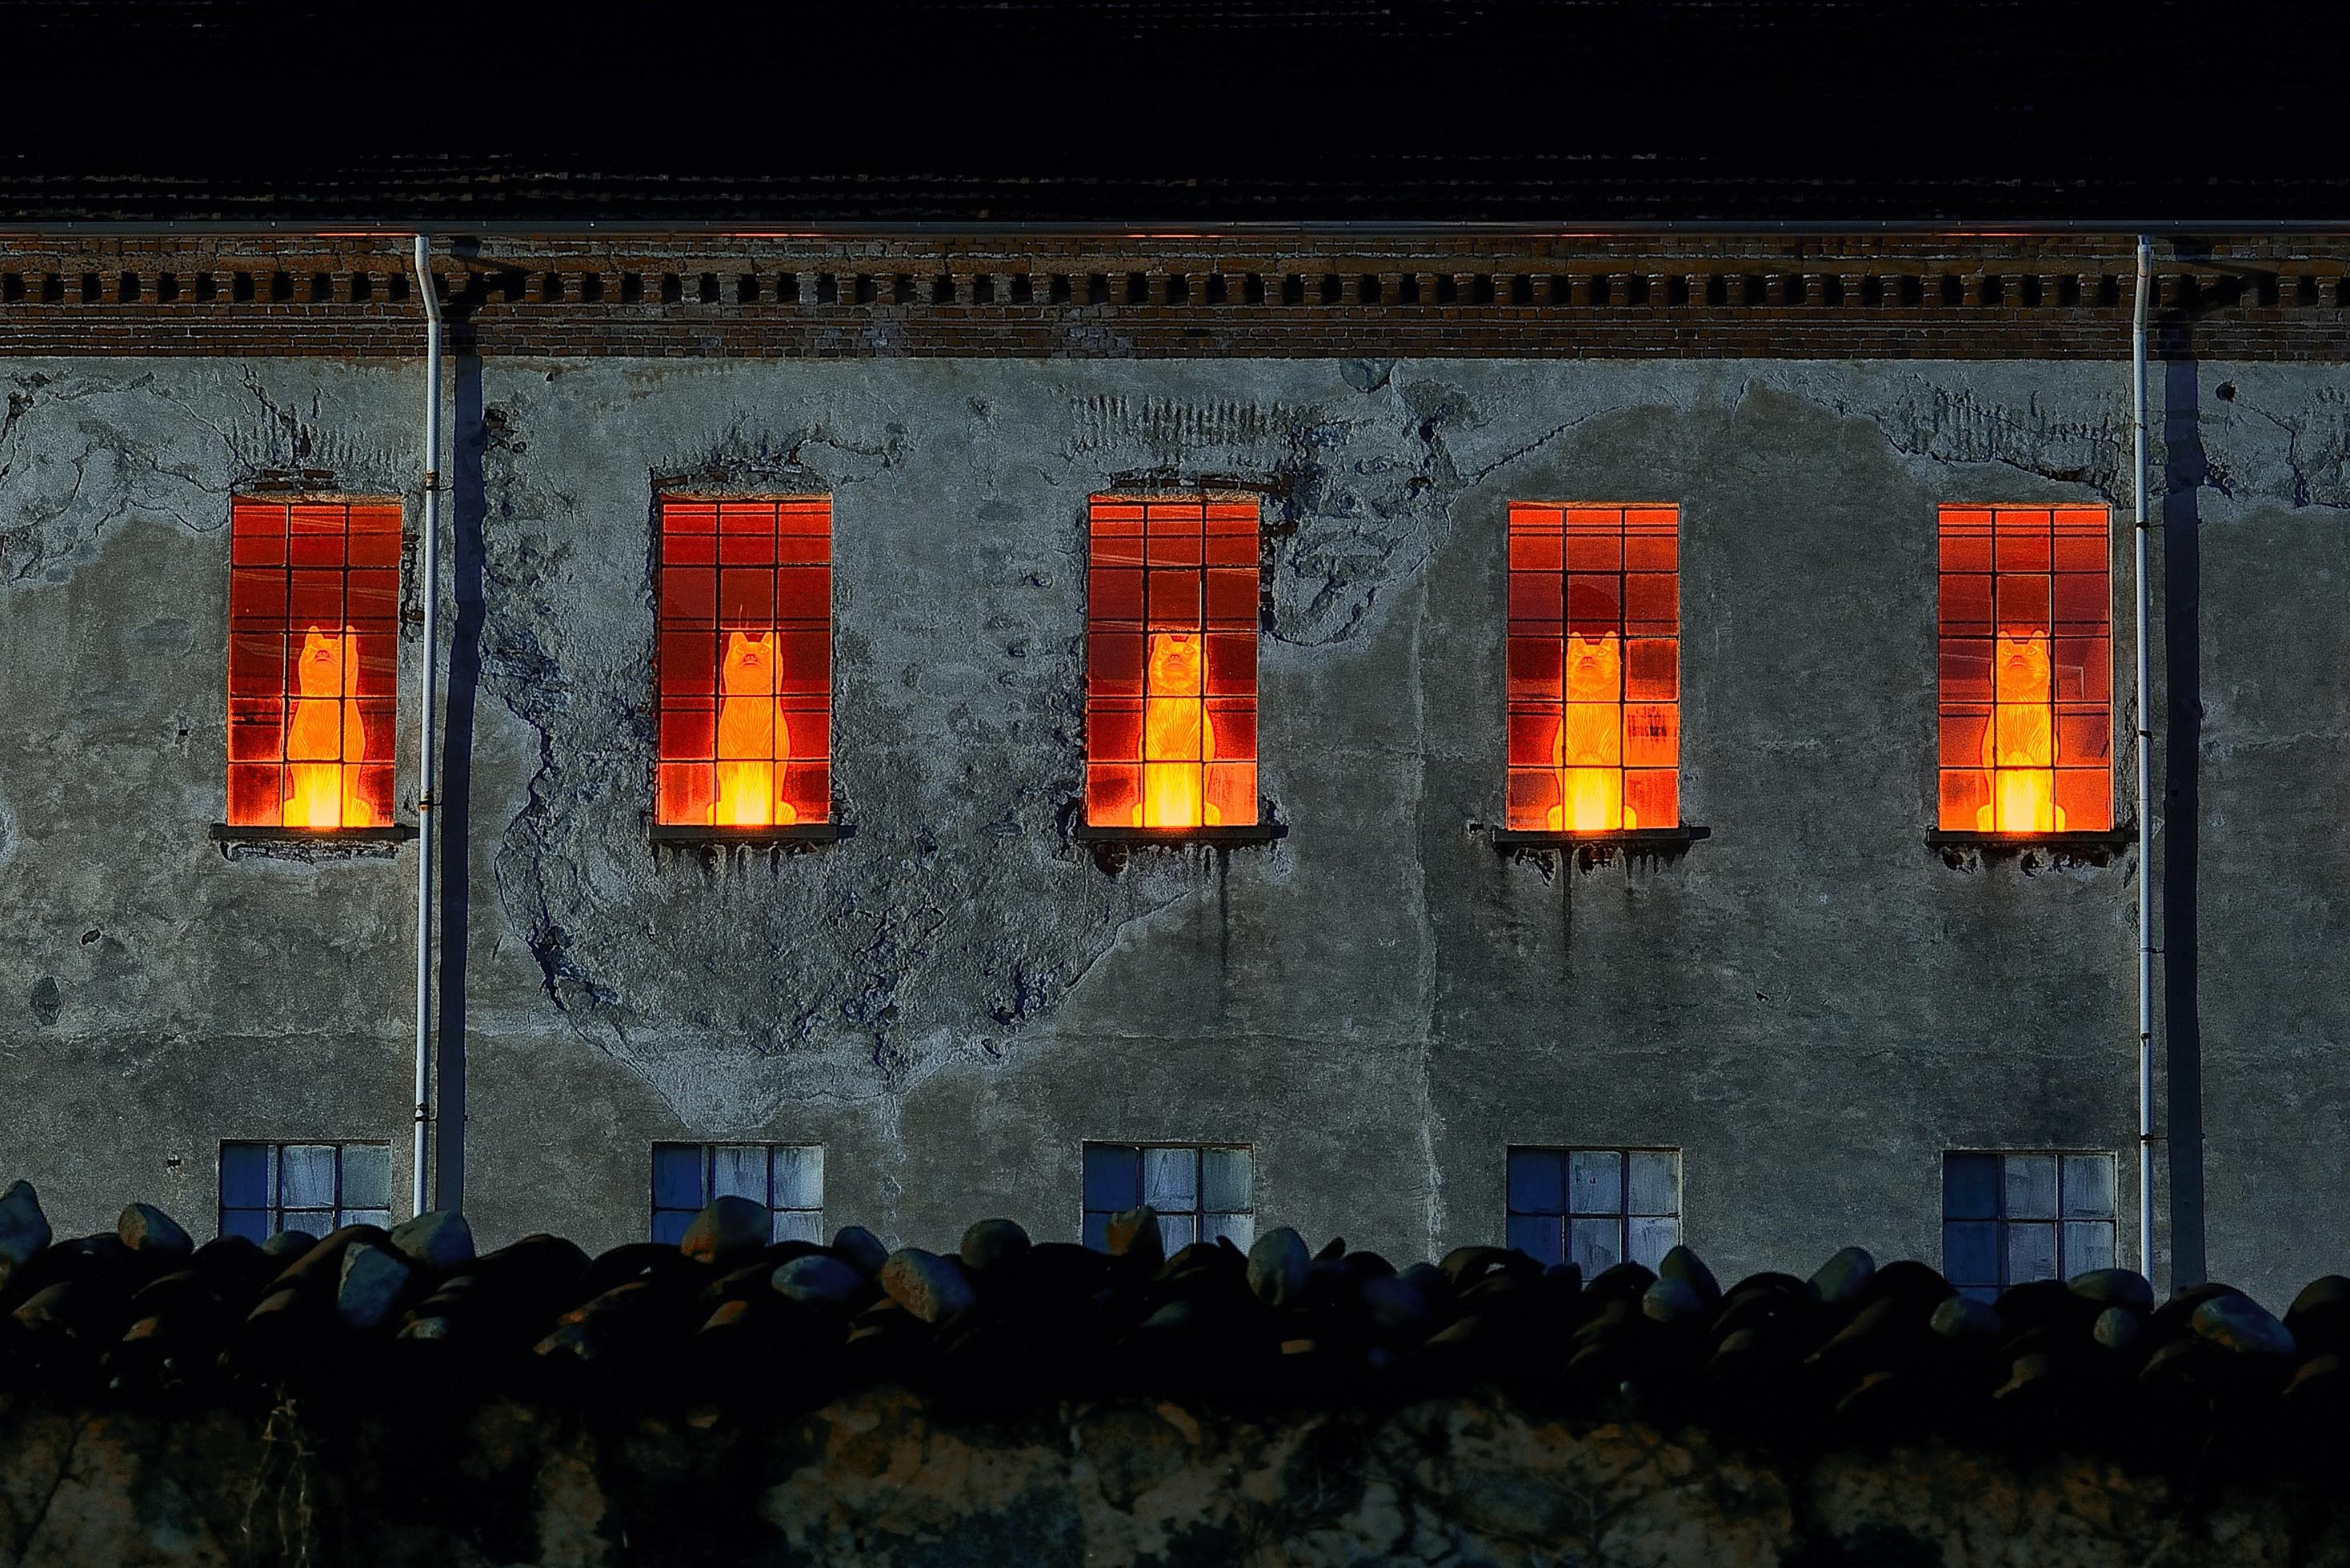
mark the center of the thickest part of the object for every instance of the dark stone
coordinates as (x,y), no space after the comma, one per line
(2239,1324)
(1963,1318)
(728,1231)
(1674,1301)
(860,1249)
(1134,1236)
(1278,1266)
(1621,1281)
(2320,1381)
(372,1280)
(152,1233)
(821,1280)
(2115,1288)
(2320,1316)
(439,1240)
(24,1229)
(288,1245)
(1681,1263)
(1840,1278)
(2118,1328)
(1396,1308)
(992,1243)
(932,1288)
(1464,1266)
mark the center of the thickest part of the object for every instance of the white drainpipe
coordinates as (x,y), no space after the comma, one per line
(2145,745)
(427,709)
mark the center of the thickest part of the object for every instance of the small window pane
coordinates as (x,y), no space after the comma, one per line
(1651,1239)
(2032,1187)
(244,1175)
(2088,1244)
(367,1175)
(799,1177)
(1595,1244)
(1539,1236)
(669,1224)
(1971,1187)
(2030,1253)
(306,1176)
(1113,1176)
(2088,1186)
(317,1221)
(1538,1185)
(1170,1178)
(1594,1181)
(365,1217)
(1227,1178)
(1970,1252)
(799,1225)
(1238,1229)
(1655,1181)
(1097,1231)
(1178,1230)
(253,1224)
(677,1176)
(739,1170)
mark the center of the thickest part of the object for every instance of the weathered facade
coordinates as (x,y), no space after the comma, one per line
(1812,1004)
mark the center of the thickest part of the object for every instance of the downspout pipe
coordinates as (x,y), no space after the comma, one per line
(2144,764)
(428,703)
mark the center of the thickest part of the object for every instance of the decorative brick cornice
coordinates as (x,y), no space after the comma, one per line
(1889,296)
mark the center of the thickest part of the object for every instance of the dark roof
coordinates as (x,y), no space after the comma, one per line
(1148,112)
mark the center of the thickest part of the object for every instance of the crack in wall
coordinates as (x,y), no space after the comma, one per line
(1962,426)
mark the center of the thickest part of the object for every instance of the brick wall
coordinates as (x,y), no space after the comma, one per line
(1095,296)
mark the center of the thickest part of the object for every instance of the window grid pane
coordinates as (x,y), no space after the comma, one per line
(744,661)
(2026,689)
(1170,662)
(1200,1192)
(2012,1218)
(313,662)
(1594,668)
(1592,1206)
(786,1179)
(266,1188)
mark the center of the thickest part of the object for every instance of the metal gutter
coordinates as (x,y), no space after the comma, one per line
(755,228)
(427,716)
(2145,763)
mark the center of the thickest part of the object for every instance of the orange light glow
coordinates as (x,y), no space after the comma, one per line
(1594,668)
(2026,670)
(745,661)
(1171,662)
(314,589)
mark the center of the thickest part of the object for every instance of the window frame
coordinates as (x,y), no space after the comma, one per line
(1565,1215)
(1099,706)
(708,1151)
(1198,1214)
(2113,832)
(276,1208)
(246,554)
(803,832)
(2058,1223)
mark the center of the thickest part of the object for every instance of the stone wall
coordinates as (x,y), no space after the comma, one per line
(884,1478)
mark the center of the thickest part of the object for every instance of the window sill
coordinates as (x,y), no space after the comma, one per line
(796,833)
(1254,832)
(1648,840)
(2096,849)
(223,833)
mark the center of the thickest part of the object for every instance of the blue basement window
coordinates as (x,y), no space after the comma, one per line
(787,1178)
(266,1188)
(1594,1207)
(1200,1192)
(2012,1218)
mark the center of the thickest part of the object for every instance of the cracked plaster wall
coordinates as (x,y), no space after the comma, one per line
(1811,1004)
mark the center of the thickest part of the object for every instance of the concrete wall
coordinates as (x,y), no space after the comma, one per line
(1811,1004)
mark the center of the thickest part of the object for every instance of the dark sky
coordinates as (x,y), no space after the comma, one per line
(1548,111)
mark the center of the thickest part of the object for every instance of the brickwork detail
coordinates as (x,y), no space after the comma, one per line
(1089,297)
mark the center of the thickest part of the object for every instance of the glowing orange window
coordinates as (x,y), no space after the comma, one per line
(745,661)
(1171,662)
(314,602)
(1595,679)
(2026,670)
